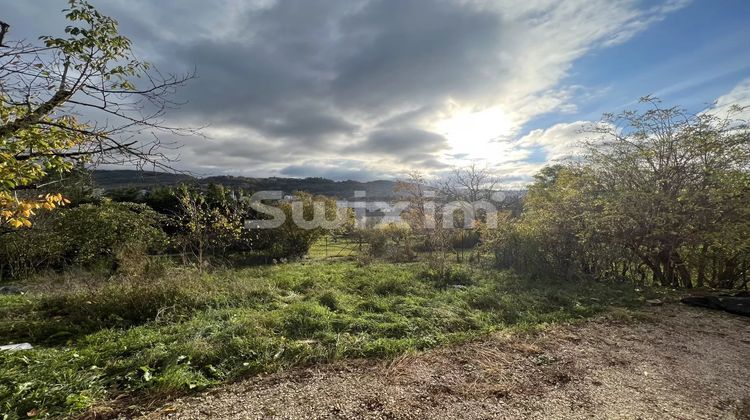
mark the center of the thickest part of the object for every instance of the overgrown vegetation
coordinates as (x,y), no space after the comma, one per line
(186,330)
(178,291)
(660,197)
(195,227)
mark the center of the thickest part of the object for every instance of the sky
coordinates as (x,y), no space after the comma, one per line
(372,89)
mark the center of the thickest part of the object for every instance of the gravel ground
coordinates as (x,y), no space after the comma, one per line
(680,362)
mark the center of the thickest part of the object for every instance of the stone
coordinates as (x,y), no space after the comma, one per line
(16,347)
(10,290)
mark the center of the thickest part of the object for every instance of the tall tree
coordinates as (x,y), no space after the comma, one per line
(660,196)
(51,95)
(670,182)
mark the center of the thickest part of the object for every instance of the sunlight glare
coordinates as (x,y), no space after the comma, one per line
(474,133)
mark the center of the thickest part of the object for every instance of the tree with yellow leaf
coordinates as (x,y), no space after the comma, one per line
(48,92)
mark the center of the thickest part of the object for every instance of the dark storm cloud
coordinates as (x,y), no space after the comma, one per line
(208,150)
(414,117)
(339,60)
(306,122)
(405,141)
(288,73)
(409,54)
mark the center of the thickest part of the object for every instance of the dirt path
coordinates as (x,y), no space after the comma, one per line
(683,363)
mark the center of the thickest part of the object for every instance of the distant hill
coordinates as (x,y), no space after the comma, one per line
(123,178)
(116,179)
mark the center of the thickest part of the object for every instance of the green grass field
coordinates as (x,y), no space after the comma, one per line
(187,331)
(328,247)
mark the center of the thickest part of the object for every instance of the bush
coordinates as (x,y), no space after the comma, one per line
(392,241)
(97,232)
(464,238)
(378,242)
(106,234)
(289,240)
(24,252)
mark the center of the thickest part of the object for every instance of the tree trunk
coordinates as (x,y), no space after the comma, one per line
(684,276)
(701,279)
(729,274)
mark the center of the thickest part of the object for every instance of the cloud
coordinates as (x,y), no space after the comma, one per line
(311,123)
(412,145)
(559,142)
(563,141)
(382,85)
(531,152)
(340,170)
(739,96)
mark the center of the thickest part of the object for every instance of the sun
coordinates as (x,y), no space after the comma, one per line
(475,133)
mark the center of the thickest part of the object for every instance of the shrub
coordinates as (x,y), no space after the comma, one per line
(289,240)
(97,232)
(378,242)
(103,234)
(464,238)
(392,241)
(24,252)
